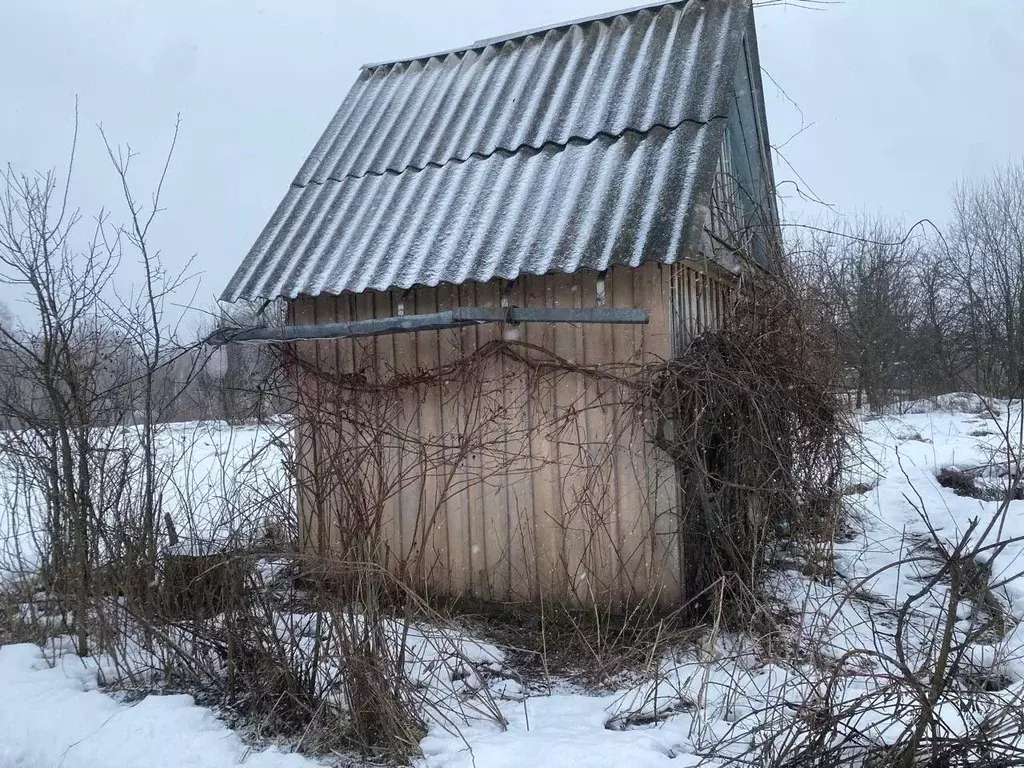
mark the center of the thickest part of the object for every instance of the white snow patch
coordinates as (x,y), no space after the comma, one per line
(54,716)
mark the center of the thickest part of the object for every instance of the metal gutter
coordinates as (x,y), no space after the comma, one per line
(460,316)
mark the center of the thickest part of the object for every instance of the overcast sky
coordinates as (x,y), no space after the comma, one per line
(897,98)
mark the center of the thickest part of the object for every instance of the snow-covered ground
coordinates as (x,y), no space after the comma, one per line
(55,716)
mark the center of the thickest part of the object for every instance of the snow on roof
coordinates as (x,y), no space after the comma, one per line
(578,146)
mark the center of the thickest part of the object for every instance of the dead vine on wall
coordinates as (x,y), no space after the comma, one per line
(676,478)
(750,415)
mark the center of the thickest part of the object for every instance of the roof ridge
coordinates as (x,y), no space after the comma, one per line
(488,41)
(525,147)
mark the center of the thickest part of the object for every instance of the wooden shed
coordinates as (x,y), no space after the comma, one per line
(483,248)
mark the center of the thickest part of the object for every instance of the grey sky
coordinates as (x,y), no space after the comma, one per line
(903,95)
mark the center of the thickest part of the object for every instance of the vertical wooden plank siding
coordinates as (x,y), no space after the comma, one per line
(490,511)
(390,450)
(629,493)
(516,481)
(601,534)
(471,404)
(524,581)
(432,567)
(332,359)
(311,522)
(659,470)
(454,432)
(569,434)
(540,402)
(408,466)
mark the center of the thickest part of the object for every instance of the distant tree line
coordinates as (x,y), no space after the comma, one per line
(921,312)
(191,381)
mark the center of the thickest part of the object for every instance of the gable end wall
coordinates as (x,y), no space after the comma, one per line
(560,494)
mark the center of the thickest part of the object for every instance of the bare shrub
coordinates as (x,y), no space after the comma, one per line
(961,482)
(932,690)
(750,416)
(932,705)
(20,619)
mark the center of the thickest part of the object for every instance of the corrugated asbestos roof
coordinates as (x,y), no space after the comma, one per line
(581,146)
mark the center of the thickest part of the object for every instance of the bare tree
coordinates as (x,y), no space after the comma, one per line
(143,321)
(79,361)
(57,354)
(986,268)
(862,277)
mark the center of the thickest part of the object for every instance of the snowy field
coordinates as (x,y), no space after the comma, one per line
(214,481)
(705,705)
